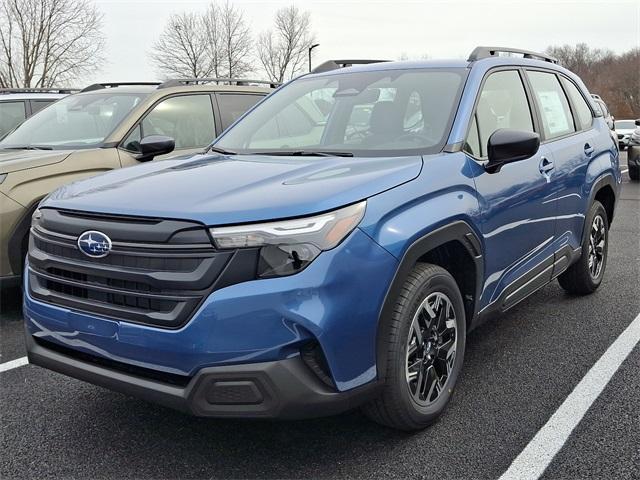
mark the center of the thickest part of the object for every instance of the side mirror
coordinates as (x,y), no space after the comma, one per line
(154,145)
(638,122)
(507,145)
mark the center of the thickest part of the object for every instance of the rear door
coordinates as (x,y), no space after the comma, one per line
(188,119)
(569,134)
(518,216)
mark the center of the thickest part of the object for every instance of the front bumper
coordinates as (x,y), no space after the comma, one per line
(283,389)
(335,302)
(633,156)
(623,142)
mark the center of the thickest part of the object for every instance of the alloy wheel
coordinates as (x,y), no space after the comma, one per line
(597,239)
(431,348)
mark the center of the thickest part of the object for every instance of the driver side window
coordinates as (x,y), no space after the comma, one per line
(502,104)
(188,119)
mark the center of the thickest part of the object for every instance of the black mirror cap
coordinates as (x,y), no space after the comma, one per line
(154,145)
(507,145)
(638,122)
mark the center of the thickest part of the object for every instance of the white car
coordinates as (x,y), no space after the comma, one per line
(18,104)
(624,129)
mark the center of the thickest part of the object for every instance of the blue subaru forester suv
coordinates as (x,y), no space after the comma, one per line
(334,247)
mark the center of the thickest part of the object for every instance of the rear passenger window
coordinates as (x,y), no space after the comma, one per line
(583,112)
(553,104)
(12,114)
(37,105)
(232,106)
(502,104)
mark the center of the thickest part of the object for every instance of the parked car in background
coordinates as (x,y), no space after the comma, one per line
(104,127)
(18,104)
(333,248)
(606,114)
(624,129)
(633,153)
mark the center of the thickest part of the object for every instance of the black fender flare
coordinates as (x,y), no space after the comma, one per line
(459,231)
(603,180)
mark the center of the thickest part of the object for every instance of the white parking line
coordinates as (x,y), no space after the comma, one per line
(624,171)
(18,362)
(538,454)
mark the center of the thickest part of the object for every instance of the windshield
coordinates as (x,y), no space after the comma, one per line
(625,124)
(373,113)
(75,121)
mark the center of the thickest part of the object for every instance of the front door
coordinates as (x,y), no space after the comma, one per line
(517,211)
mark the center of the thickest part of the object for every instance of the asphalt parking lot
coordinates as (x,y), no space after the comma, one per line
(519,368)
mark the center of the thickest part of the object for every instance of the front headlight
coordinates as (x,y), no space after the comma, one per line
(290,245)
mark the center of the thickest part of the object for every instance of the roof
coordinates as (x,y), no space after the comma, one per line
(31,96)
(482,64)
(153,89)
(399,65)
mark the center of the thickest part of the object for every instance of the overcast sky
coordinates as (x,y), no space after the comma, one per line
(386,29)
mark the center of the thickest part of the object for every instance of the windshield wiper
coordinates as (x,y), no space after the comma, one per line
(213,148)
(29,147)
(305,153)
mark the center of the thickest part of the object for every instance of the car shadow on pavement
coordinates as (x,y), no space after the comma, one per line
(10,301)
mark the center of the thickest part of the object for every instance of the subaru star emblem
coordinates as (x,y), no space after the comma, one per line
(94,244)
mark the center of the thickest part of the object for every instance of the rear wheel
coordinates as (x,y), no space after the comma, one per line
(425,347)
(585,276)
(634,173)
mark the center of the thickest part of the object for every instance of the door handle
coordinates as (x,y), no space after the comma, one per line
(588,149)
(546,165)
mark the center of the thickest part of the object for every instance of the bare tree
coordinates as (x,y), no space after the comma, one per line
(613,77)
(48,42)
(283,50)
(229,40)
(216,43)
(579,58)
(182,48)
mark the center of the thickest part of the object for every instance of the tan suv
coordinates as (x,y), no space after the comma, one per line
(107,126)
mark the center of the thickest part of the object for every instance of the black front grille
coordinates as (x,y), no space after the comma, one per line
(157,273)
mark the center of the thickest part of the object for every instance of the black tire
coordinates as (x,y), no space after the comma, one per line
(580,278)
(634,173)
(397,406)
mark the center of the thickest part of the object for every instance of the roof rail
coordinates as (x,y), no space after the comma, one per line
(100,86)
(487,52)
(177,82)
(39,90)
(336,64)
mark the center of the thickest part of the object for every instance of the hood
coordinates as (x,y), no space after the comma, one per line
(220,190)
(14,160)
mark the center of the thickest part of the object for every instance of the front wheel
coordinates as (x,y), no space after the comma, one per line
(425,347)
(634,173)
(585,276)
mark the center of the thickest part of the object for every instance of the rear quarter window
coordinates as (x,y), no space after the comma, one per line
(583,112)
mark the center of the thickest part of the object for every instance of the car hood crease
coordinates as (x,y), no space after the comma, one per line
(221,190)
